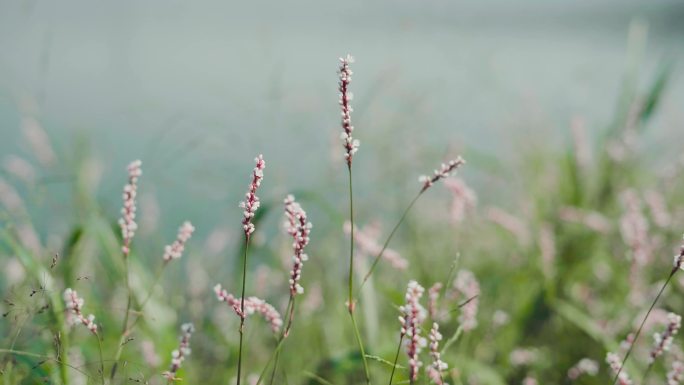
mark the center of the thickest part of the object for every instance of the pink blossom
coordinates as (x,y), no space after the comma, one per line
(179,355)
(411,319)
(615,364)
(175,250)
(351,145)
(437,367)
(251,204)
(467,285)
(299,228)
(74,306)
(663,341)
(252,305)
(444,171)
(127,221)
(676,375)
(366,240)
(463,198)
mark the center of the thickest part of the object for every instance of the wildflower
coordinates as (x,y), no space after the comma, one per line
(584,366)
(634,228)
(299,228)
(251,204)
(412,317)
(676,375)
(592,220)
(433,300)
(74,306)
(658,209)
(466,284)
(663,341)
(444,171)
(179,355)
(175,250)
(366,241)
(679,258)
(252,305)
(436,369)
(351,145)
(529,380)
(130,191)
(463,198)
(615,364)
(523,356)
(510,223)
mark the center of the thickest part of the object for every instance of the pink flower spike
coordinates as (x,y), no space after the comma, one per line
(663,341)
(444,171)
(252,305)
(437,368)
(613,360)
(251,204)
(179,355)
(469,288)
(411,319)
(299,228)
(175,250)
(351,145)
(676,375)
(130,192)
(74,306)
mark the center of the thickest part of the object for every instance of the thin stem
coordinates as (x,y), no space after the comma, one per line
(350,304)
(638,332)
(389,238)
(242,307)
(396,358)
(648,369)
(286,331)
(124,327)
(99,345)
(149,296)
(268,363)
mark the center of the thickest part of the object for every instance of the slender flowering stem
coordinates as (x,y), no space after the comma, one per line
(297,226)
(250,205)
(678,263)
(74,306)
(128,228)
(351,145)
(444,171)
(411,319)
(663,341)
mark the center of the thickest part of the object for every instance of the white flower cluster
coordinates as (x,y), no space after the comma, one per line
(679,258)
(130,191)
(251,204)
(175,250)
(615,363)
(438,367)
(584,366)
(74,306)
(351,145)
(412,316)
(444,171)
(663,341)
(676,375)
(251,305)
(179,355)
(298,226)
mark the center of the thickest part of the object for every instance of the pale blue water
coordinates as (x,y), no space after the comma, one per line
(196,89)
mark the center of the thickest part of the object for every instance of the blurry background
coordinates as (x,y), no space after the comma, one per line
(197,90)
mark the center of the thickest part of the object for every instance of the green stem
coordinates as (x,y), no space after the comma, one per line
(396,358)
(99,345)
(638,332)
(124,327)
(350,304)
(268,363)
(242,307)
(389,238)
(286,331)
